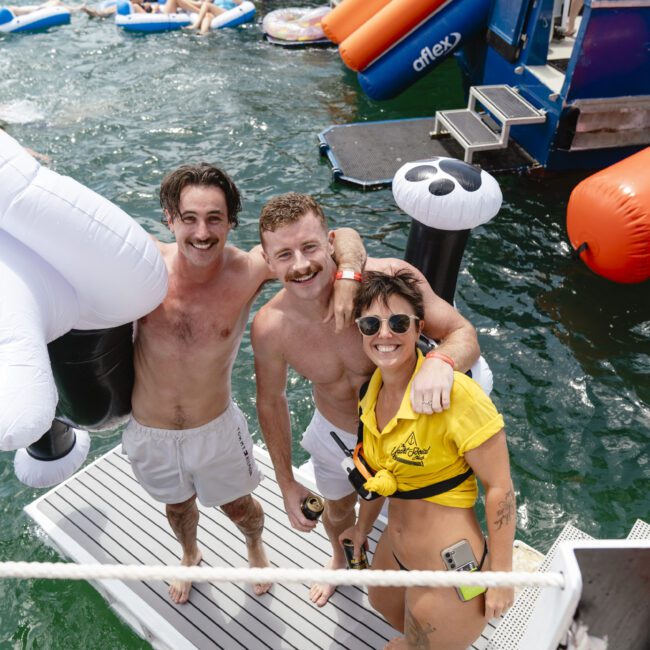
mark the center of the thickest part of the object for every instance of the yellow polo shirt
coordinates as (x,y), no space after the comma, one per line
(423,449)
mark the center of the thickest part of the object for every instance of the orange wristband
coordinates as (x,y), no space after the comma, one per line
(348,274)
(434,354)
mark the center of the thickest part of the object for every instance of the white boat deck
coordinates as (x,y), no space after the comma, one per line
(101,515)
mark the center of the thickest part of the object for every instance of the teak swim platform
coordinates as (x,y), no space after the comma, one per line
(102,515)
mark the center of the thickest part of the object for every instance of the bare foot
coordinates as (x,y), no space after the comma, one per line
(320,593)
(179,591)
(257,560)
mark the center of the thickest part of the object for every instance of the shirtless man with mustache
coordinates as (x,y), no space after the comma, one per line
(187,439)
(289,331)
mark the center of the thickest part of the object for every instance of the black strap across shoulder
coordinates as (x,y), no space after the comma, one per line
(362,393)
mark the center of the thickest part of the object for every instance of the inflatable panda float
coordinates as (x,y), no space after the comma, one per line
(75,272)
(445,199)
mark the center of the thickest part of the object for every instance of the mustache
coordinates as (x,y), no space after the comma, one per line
(293,275)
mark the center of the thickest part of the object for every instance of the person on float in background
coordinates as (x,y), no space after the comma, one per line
(208,11)
(186,438)
(290,331)
(24,10)
(142,6)
(428,465)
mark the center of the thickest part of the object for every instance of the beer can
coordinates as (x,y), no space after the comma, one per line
(312,507)
(360,562)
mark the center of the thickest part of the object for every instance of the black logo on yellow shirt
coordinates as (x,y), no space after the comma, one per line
(409,452)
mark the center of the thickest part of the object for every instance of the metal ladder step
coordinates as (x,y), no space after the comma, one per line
(506,103)
(468,127)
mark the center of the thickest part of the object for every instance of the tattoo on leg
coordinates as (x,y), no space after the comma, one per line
(506,510)
(416,635)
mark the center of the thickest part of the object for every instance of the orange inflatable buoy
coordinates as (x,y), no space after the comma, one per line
(608,220)
(348,16)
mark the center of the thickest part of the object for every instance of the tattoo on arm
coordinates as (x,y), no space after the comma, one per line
(506,511)
(416,635)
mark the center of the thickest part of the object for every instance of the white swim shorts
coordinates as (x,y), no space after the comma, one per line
(326,456)
(214,461)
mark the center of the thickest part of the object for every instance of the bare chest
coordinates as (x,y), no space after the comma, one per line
(197,319)
(325,357)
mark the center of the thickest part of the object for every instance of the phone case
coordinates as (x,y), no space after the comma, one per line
(460,557)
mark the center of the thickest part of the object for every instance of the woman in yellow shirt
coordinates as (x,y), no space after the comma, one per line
(428,465)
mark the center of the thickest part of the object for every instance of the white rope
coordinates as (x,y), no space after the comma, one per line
(70,571)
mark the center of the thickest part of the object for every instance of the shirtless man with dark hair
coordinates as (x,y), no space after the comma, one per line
(297,248)
(186,438)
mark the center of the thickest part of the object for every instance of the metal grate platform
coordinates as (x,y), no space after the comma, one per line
(510,631)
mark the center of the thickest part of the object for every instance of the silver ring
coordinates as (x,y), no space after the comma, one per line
(427,403)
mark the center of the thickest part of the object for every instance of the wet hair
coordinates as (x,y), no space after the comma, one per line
(378,286)
(201,174)
(285,209)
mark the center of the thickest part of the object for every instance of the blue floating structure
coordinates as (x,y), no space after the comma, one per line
(564,102)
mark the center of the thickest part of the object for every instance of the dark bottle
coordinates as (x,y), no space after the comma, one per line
(360,562)
(312,507)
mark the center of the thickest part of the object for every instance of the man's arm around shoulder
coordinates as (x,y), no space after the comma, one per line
(350,256)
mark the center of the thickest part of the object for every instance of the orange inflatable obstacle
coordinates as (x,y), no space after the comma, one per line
(608,220)
(383,30)
(393,43)
(348,16)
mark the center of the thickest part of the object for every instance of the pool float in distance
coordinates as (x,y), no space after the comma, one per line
(132,21)
(295,26)
(36,20)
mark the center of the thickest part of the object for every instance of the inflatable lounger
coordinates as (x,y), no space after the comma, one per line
(234,16)
(295,26)
(39,19)
(132,21)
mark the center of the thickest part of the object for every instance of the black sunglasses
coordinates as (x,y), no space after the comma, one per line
(397,323)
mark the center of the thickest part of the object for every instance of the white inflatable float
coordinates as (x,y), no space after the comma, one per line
(234,15)
(445,198)
(159,21)
(131,21)
(295,26)
(33,21)
(69,259)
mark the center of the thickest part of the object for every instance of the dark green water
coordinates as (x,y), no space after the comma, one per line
(570,352)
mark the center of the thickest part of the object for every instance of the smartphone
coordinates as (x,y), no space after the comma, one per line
(460,557)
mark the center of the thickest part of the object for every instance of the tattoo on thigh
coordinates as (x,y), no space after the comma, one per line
(506,510)
(417,635)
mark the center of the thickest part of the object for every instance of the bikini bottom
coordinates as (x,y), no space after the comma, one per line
(480,564)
